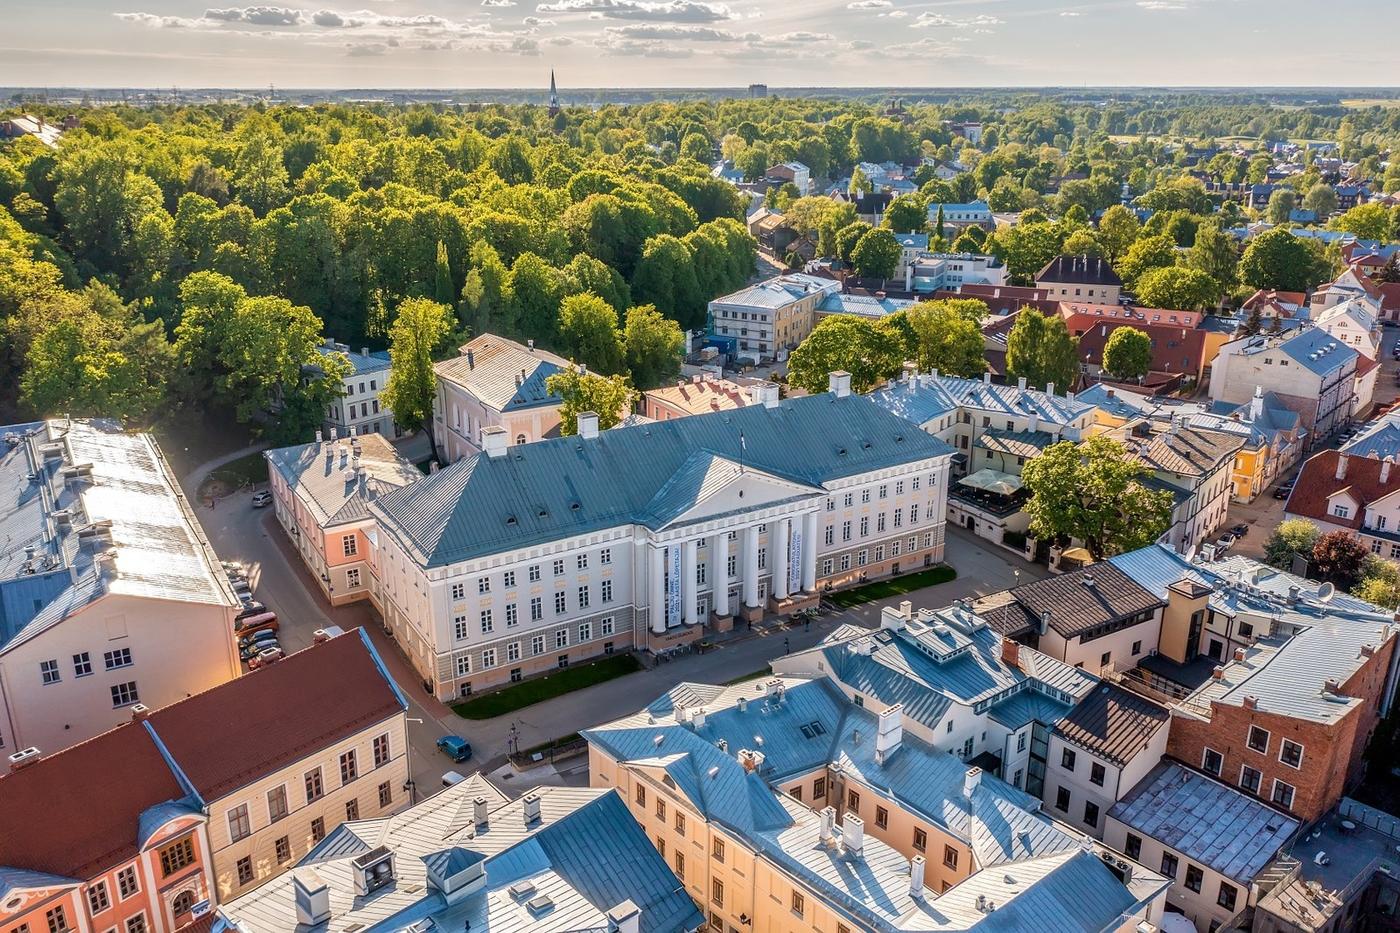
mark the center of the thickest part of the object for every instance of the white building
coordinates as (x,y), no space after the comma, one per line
(526,558)
(1355,323)
(359,409)
(766,320)
(1196,466)
(933,272)
(495,383)
(110,595)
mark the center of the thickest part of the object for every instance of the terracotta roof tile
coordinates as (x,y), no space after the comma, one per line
(1317,482)
(1175,349)
(285,711)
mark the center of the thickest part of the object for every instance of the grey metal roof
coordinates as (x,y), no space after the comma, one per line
(567,486)
(927,397)
(128,528)
(586,853)
(1318,351)
(503,374)
(1113,723)
(779,291)
(1208,822)
(361,363)
(323,474)
(1378,439)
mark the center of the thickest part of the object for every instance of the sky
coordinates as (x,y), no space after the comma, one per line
(693,43)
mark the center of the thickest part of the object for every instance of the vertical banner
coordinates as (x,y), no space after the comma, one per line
(795,557)
(674,615)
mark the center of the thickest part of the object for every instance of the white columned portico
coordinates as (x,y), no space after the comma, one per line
(778,544)
(719,572)
(689,594)
(809,552)
(751,567)
(656,586)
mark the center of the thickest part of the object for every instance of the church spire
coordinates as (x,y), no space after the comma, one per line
(553,95)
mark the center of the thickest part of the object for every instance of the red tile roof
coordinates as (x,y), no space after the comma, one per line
(76,813)
(1317,481)
(230,736)
(1390,295)
(1174,349)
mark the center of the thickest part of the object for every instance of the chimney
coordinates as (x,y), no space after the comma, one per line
(1385,470)
(1049,388)
(1341,466)
(364,351)
(139,712)
(893,619)
(1333,686)
(1239,654)
(318,437)
(986,379)
(625,918)
(889,735)
(479,816)
(1293,593)
(1044,621)
(1256,404)
(971,781)
(471,359)
(697,719)
(828,824)
(1218,673)
(588,425)
(493,441)
(312,897)
(853,835)
(532,809)
(765,394)
(751,760)
(1251,702)
(333,434)
(320,636)
(839,383)
(1110,393)
(1020,383)
(1035,421)
(530,345)
(1010,653)
(24,758)
(916,876)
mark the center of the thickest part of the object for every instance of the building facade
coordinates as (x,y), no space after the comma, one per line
(525,559)
(765,321)
(1080,279)
(1307,370)
(359,409)
(494,383)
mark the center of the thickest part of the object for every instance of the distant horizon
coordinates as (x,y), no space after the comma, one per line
(693,44)
(773,89)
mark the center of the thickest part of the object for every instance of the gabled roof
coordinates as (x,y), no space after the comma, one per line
(926,397)
(1189,451)
(1081,600)
(1113,723)
(503,374)
(567,486)
(1076,270)
(1175,348)
(779,291)
(323,474)
(1208,822)
(1317,482)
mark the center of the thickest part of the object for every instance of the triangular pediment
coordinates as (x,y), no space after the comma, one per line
(708,485)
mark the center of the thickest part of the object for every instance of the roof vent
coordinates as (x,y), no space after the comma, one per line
(539,905)
(532,808)
(373,870)
(24,758)
(522,889)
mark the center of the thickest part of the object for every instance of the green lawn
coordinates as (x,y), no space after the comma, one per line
(529,692)
(882,589)
(751,675)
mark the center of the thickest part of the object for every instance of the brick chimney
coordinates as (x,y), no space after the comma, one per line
(1010,653)
(1341,466)
(1218,673)
(1251,703)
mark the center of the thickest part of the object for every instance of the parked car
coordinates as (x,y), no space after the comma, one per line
(264,658)
(1240,530)
(266,634)
(262,499)
(266,620)
(257,648)
(251,607)
(1224,543)
(455,747)
(452,777)
(1284,491)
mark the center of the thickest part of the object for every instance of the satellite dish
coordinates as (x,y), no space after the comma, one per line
(1326,591)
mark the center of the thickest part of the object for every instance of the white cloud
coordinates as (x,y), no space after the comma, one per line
(939,21)
(671,31)
(1159,5)
(160,22)
(258,15)
(1068,13)
(366,49)
(895,14)
(868,4)
(535,22)
(680,11)
(644,48)
(498,2)
(802,37)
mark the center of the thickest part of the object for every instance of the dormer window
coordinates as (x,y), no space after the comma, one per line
(1341,511)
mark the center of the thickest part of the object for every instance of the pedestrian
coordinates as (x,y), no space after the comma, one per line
(786,646)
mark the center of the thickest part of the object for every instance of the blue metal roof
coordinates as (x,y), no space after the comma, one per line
(1210,823)
(567,486)
(1318,350)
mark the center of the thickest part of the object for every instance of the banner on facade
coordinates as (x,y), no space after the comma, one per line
(674,615)
(795,558)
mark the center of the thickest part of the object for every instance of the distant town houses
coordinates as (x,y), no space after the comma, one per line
(957,216)
(110,594)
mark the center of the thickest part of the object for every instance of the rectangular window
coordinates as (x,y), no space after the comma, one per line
(127,885)
(125,694)
(1062,799)
(561,602)
(1226,897)
(386,794)
(487,625)
(950,857)
(1212,761)
(1250,779)
(717,892)
(1096,773)
(483,585)
(605,625)
(508,579)
(1067,759)
(245,870)
(1258,739)
(606,588)
(352,577)
(583,597)
(352,808)
(680,822)
(845,534)
(536,609)
(136,924)
(561,638)
(381,750)
(1091,814)
(799,904)
(488,658)
(277,803)
(680,865)
(350,544)
(238,825)
(534,574)
(1283,794)
(513,651)
(605,556)
(660,809)
(852,801)
(349,769)
(48,672)
(318,829)
(641,795)
(1194,877)
(558,568)
(1132,846)
(464,665)
(315,788)
(819,788)
(865,524)
(830,534)
(459,627)
(176,856)
(1291,754)
(920,839)
(717,850)
(511,615)
(882,815)
(283,846)
(458,591)
(98,900)
(82,665)
(1169,865)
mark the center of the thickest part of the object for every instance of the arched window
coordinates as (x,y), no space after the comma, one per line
(183,903)
(520,438)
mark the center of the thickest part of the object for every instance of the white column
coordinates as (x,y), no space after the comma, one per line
(656,586)
(751,567)
(809,552)
(778,544)
(689,595)
(719,572)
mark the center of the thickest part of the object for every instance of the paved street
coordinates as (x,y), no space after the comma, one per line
(281,581)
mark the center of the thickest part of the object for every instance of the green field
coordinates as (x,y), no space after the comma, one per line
(529,692)
(883,589)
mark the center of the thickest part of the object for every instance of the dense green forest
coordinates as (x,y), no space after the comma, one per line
(194,256)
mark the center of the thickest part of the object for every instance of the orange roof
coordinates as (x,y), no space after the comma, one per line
(698,398)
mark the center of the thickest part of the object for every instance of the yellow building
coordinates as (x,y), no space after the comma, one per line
(785,808)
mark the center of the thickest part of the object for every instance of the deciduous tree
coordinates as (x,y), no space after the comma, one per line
(845,342)
(653,344)
(419,328)
(1128,353)
(609,397)
(588,333)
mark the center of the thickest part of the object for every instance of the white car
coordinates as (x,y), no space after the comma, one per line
(262,499)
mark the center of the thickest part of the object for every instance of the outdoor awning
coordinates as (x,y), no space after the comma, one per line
(1003,484)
